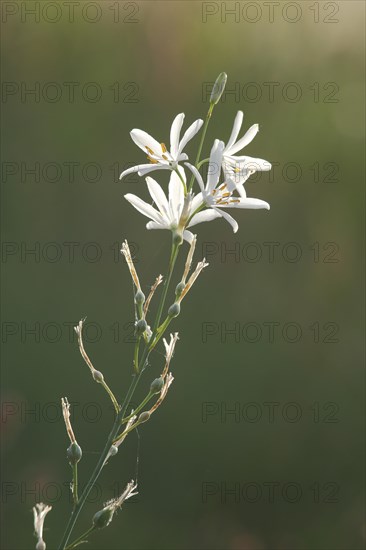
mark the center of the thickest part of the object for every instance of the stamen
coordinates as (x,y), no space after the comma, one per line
(163,147)
(223,186)
(164,157)
(153,161)
(150,151)
(226,195)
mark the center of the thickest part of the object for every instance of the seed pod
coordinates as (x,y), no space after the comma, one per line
(156,385)
(74,453)
(174,310)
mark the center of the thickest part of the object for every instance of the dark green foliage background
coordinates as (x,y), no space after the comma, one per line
(170,53)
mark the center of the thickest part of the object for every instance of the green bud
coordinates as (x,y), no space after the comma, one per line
(103,518)
(74,453)
(113,450)
(139,298)
(218,88)
(179,289)
(174,310)
(144,417)
(140,327)
(98,376)
(157,385)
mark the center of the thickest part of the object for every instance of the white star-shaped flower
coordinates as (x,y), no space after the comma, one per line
(217,197)
(175,212)
(157,153)
(237,169)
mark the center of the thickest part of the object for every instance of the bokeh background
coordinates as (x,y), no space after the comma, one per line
(208,479)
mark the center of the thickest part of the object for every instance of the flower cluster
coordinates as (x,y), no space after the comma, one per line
(181,208)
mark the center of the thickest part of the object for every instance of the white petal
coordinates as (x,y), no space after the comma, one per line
(236,129)
(175,134)
(197,201)
(245,140)
(251,163)
(229,219)
(130,171)
(147,168)
(154,225)
(204,216)
(143,140)
(249,203)
(214,167)
(197,175)
(145,209)
(176,196)
(188,236)
(158,196)
(189,134)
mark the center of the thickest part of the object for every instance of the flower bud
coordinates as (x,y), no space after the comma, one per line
(41,545)
(157,385)
(174,310)
(98,376)
(218,88)
(113,450)
(74,453)
(144,417)
(179,289)
(139,298)
(140,327)
(103,518)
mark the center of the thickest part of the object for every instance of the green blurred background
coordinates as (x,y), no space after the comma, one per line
(150,61)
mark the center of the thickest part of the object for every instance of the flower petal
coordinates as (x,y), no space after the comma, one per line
(245,140)
(154,225)
(176,197)
(188,236)
(229,219)
(197,175)
(147,168)
(158,196)
(214,167)
(204,216)
(251,163)
(253,204)
(144,140)
(145,209)
(175,134)
(189,134)
(235,131)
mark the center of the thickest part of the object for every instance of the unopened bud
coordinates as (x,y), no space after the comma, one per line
(218,88)
(113,450)
(98,376)
(174,310)
(140,327)
(144,416)
(139,298)
(157,385)
(74,453)
(179,289)
(103,518)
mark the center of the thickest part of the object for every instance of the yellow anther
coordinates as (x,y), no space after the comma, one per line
(163,147)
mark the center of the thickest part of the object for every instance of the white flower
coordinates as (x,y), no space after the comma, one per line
(237,169)
(175,212)
(157,153)
(219,197)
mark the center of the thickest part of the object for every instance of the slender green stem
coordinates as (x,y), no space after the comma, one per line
(79,539)
(182,180)
(111,395)
(122,410)
(97,470)
(173,258)
(75,484)
(141,406)
(202,162)
(208,118)
(136,355)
